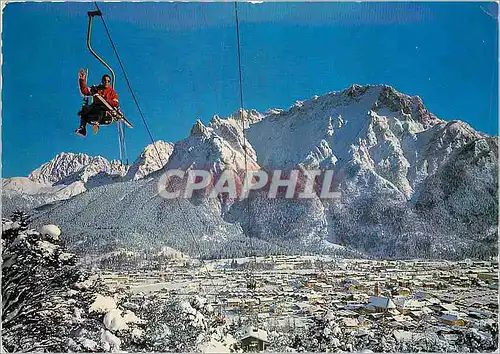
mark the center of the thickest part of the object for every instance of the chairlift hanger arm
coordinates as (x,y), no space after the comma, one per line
(91,15)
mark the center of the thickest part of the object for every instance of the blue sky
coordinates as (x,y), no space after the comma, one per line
(181,59)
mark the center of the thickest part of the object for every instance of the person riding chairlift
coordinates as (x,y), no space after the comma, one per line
(88,114)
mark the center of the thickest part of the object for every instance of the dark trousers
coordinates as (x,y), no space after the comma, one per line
(93,113)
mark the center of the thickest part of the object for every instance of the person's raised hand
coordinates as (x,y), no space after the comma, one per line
(82,74)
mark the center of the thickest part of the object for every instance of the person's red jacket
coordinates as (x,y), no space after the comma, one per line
(108,93)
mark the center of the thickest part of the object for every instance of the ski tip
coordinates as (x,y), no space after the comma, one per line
(127,123)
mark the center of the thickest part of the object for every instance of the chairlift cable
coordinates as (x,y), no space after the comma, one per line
(125,153)
(119,142)
(153,142)
(126,78)
(245,149)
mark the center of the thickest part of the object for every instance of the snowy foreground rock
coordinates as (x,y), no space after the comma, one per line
(51,230)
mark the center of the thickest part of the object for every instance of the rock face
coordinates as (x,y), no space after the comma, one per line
(411,184)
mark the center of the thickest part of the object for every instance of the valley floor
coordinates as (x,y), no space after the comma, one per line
(440,302)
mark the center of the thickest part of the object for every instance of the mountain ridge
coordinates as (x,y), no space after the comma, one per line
(385,148)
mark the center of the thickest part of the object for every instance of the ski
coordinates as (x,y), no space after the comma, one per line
(117,115)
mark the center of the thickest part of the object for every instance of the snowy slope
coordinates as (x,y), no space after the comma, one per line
(36,193)
(461,199)
(133,216)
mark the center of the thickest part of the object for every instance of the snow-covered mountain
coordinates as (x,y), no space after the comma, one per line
(372,133)
(69,174)
(63,177)
(69,166)
(153,157)
(385,147)
(391,158)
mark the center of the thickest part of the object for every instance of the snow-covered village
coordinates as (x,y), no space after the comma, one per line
(275,303)
(231,177)
(284,297)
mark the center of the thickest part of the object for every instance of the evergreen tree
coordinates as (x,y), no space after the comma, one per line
(49,303)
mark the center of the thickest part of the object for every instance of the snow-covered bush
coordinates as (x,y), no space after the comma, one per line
(182,325)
